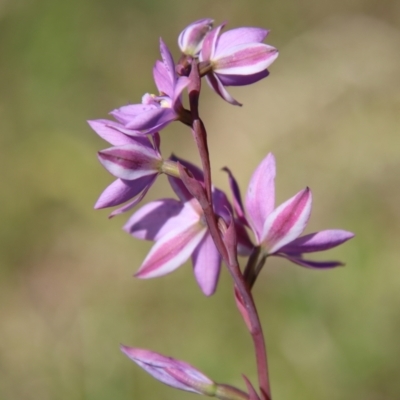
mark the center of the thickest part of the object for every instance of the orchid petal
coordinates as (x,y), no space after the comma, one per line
(156,219)
(131,161)
(126,113)
(222,207)
(245,59)
(218,87)
(162,79)
(235,190)
(207,265)
(112,132)
(121,191)
(171,251)
(287,221)
(312,264)
(152,120)
(260,196)
(318,241)
(242,80)
(136,200)
(168,60)
(180,85)
(169,371)
(191,38)
(209,44)
(244,35)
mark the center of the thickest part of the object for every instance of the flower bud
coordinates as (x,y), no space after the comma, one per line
(191,38)
(175,373)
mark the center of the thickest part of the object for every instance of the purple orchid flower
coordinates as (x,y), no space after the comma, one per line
(134,160)
(179,229)
(156,112)
(236,58)
(191,38)
(277,230)
(171,372)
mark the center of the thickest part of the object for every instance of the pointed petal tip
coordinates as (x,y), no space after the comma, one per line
(94,123)
(140,275)
(123,348)
(128,351)
(207,289)
(207,292)
(101,203)
(97,206)
(318,241)
(287,222)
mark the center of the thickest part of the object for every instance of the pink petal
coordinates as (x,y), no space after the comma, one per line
(154,220)
(152,120)
(168,60)
(287,222)
(162,79)
(222,207)
(245,59)
(126,113)
(207,265)
(180,85)
(131,161)
(260,196)
(312,264)
(136,200)
(112,132)
(191,38)
(218,87)
(242,80)
(209,44)
(235,190)
(243,35)
(121,191)
(318,241)
(171,251)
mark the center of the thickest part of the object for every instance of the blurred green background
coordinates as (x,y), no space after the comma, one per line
(330,112)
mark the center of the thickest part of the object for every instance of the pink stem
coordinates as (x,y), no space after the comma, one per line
(256,332)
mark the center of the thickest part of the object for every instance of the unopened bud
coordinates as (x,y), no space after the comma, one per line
(191,38)
(175,373)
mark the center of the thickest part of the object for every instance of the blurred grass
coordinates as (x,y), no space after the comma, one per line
(330,113)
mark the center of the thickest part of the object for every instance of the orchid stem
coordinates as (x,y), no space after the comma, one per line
(200,136)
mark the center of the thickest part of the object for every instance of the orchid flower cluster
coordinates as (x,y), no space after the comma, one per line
(202,224)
